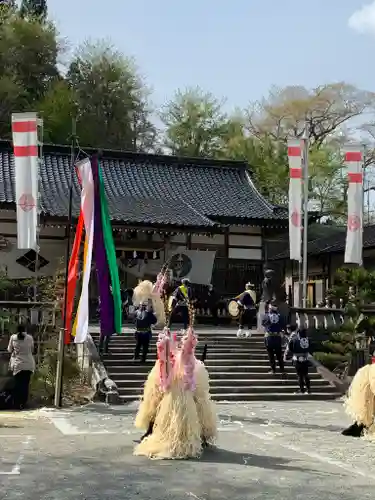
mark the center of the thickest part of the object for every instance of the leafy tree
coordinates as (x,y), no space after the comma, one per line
(111,99)
(195,124)
(28,65)
(269,163)
(36,9)
(327,182)
(324,109)
(58,108)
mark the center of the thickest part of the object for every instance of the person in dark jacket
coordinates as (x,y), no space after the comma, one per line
(212,304)
(273,326)
(144,320)
(298,349)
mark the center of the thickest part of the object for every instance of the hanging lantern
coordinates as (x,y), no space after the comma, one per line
(134,254)
(154,256)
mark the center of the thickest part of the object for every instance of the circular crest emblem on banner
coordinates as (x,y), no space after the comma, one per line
(26,202)
(354,223)
(295,218)
(180,264)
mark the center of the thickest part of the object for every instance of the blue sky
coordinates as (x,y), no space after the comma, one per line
(236,49)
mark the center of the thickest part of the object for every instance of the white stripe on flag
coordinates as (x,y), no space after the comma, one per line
(295,198)
(26,183)
(354,233)
(87,207)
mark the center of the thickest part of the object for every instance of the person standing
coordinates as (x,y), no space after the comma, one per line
(144,320)
(298,348)
(273,338)
(246,302)
(182,296)
(212,304)
(22,364)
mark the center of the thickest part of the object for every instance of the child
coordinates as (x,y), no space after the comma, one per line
(298,348)
(291,330)
(144,319)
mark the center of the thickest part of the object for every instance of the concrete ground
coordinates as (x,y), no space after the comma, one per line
(265,451)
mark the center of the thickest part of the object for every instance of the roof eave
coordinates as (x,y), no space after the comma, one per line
(246,221)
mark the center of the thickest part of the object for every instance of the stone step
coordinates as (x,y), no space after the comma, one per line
(279,388)
(218,383)
(228,336)
(230,341)
(214,348)
(261,369)
(137,374)
(211,356)
(261,396)
(217,356)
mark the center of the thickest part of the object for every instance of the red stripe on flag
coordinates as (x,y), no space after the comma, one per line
(294,151)
(29,126)
(353,156)
(22,151)
(355,177)
(296,173)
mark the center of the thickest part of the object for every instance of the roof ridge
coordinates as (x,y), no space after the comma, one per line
(121,154)
(257,193)
(200,214)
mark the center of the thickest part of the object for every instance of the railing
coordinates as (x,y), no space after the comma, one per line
(316,318)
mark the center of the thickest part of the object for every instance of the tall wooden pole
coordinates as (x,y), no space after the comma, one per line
(61,345)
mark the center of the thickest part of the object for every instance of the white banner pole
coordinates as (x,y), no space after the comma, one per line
(354,235)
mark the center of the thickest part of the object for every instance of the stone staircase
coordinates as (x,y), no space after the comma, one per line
(238,368)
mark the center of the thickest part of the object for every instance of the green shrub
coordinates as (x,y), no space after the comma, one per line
(42,387)
(331,360)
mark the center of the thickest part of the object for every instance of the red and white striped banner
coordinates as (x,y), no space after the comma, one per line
(25,144)
(295,156)
(354,234)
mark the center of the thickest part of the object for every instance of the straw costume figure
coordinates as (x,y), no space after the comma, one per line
(360,403)
(176,409)
(145,291)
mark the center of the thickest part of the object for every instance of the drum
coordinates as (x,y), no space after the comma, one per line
(233,309)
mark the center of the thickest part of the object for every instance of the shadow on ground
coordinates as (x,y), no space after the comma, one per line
(288,423)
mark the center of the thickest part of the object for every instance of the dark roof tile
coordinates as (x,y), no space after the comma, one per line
(151,189)
(335,243)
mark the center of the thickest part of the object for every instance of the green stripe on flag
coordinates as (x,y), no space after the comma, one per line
(111,255)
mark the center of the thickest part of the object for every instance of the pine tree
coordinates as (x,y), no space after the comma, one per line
(356,287)
(34,9)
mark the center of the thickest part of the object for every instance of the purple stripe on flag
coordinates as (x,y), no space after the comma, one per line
(107,322)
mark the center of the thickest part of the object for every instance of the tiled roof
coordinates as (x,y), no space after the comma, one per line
(335,243)
(150,189)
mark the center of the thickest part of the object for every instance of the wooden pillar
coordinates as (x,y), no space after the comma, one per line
(329,270)
(226,243)
(264,249)
(226,253)
(188,241)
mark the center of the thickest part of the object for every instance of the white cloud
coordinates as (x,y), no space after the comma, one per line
(363,19)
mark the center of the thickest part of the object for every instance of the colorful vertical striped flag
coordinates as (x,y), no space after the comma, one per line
(295,156)
(354,235)
(81,324)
